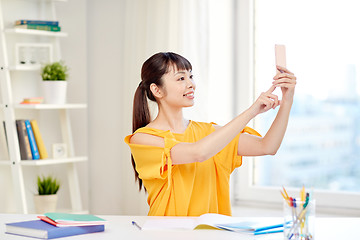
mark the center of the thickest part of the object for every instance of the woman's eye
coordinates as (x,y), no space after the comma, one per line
(191,76)
(182,78)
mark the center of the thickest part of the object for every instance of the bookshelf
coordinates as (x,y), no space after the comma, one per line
(14,77)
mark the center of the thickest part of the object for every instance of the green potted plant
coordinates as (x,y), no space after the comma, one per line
(46,199)
(54,76)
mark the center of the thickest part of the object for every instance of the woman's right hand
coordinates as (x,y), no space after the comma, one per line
(265,102)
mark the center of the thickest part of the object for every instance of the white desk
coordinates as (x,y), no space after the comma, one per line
(120,227)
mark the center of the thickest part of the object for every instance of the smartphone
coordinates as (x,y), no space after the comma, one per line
(280,56)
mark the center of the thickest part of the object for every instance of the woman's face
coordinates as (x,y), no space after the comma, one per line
(178,88)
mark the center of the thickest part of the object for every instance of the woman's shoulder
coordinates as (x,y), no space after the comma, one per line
(148,135)
(142,138)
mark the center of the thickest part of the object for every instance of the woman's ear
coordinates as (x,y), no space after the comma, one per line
(156,91)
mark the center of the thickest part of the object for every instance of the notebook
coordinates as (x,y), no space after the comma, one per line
(43,230)
(70,218)
(255,228)
(68,224)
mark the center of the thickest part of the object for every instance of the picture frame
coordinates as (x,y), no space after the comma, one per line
(59,150)
(31,54)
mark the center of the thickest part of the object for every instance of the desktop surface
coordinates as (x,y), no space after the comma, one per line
(121,227)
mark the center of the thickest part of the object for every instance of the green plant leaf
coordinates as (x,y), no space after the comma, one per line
(47,185)
(56,71)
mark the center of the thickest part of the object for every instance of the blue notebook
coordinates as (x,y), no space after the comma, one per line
(252,227)
(43,230)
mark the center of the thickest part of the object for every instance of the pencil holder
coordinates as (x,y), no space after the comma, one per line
(299,219)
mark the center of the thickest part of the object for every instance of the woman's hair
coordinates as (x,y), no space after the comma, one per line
(151,72)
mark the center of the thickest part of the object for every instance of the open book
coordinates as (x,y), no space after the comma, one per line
(212,221)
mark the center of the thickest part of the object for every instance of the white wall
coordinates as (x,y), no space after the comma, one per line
(111,78)
(73,17)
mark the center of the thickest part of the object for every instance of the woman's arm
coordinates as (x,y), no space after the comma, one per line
(213,143)
(268,145)
(210,145)
(203,149)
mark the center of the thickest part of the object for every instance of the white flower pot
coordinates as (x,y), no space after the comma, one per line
(45,203)
(54,92)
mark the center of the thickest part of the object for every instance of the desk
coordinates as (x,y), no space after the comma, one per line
(120,227)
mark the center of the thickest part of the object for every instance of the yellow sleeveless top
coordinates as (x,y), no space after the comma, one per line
(188,189)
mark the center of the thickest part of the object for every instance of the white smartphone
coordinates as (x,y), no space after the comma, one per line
(280,56)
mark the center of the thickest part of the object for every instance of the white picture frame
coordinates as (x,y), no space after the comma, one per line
(31,54)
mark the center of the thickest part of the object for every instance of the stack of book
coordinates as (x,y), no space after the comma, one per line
(32,100)
(56,225)
(31,144)
(38,25)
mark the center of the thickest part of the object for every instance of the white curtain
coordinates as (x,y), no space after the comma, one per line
(201,31)
(207,40)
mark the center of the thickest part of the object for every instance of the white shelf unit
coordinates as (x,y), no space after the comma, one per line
(25,68)
(35,32)
(50,106)
(10,108)
(47,162)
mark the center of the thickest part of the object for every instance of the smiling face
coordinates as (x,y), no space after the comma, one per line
(178,88)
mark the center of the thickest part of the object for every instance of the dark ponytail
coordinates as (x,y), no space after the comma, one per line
(151,72)
(141,113)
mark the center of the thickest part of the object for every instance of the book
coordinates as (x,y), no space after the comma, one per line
(38,139)
(33,100)
(7,143)
(37,22)
(39,27)
(43,230)
(69,224)
(255,228)
(2,147)
(70,218)
(213,221)
(24,144)
(33,146)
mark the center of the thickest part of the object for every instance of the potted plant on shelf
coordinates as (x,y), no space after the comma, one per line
(46,199)
(54,76)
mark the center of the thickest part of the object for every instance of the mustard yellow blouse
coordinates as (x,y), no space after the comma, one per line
(187,189)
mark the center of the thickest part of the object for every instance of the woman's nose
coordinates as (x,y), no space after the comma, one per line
(190,83)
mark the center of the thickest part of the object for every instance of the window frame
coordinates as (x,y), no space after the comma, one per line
(244,191)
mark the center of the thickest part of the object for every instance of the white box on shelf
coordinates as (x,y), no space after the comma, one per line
(32,54)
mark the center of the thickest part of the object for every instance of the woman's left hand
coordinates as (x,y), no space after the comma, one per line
(286,80)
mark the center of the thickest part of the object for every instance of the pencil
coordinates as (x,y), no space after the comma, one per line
(136,225)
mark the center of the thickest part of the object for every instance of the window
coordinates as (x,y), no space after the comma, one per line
(321,148)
